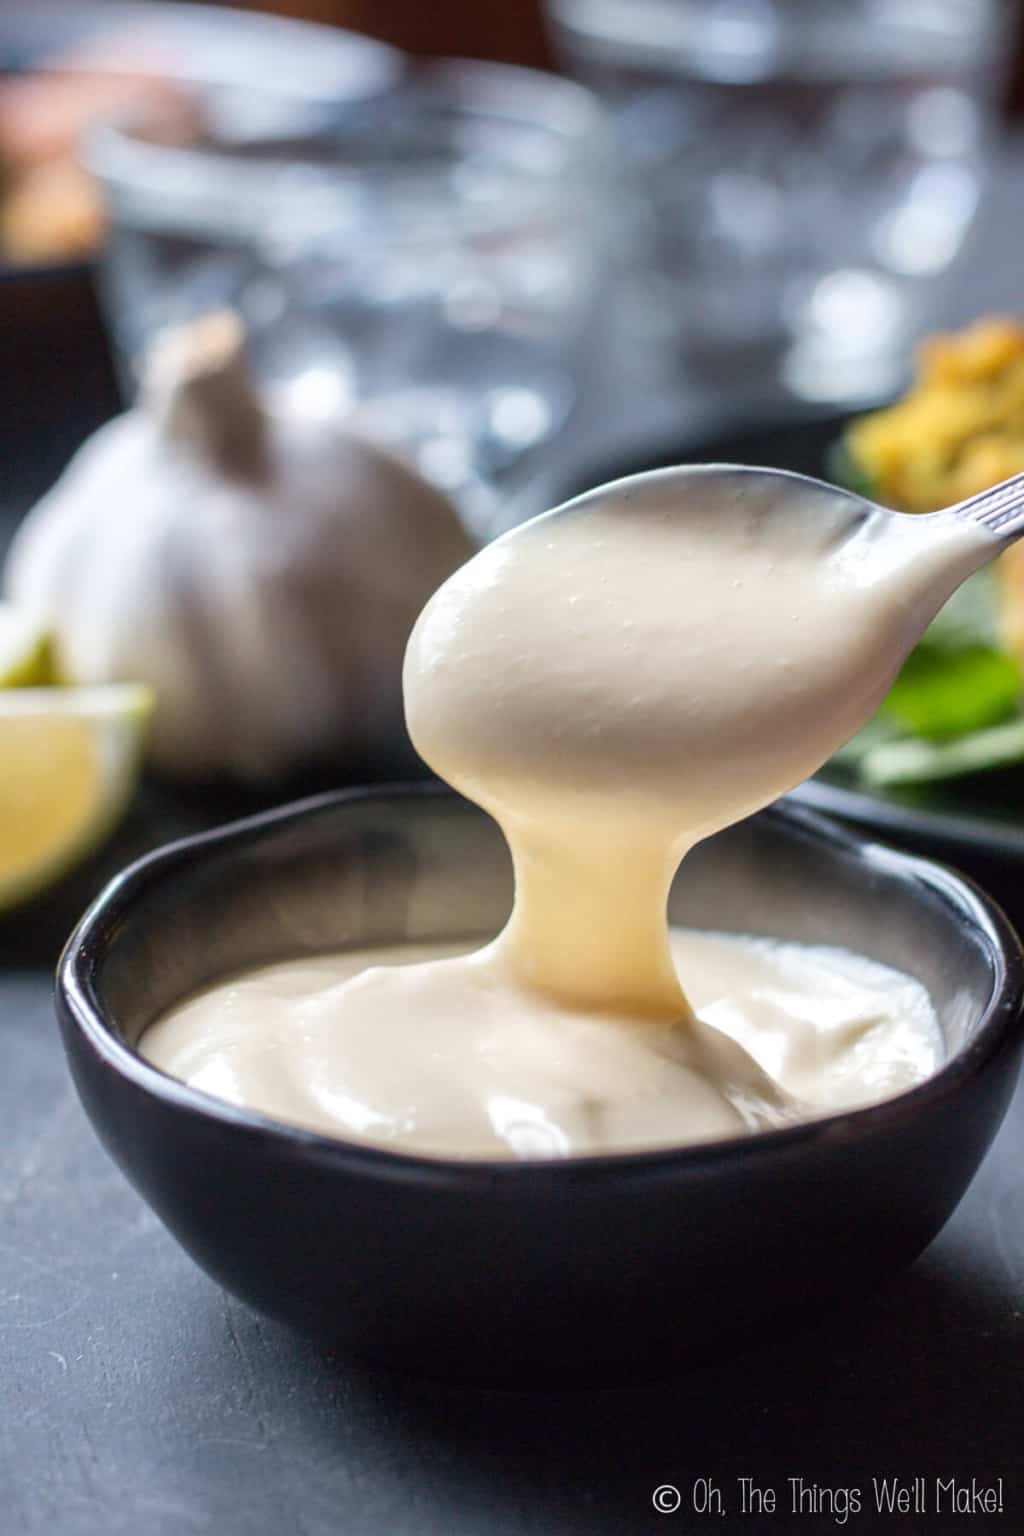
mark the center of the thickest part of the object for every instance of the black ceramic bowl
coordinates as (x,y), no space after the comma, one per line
(605,1266)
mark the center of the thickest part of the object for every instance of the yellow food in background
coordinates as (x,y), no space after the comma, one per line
(50,208)
(53,212)
(959,430)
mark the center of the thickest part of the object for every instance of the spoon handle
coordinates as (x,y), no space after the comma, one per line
(1000,509)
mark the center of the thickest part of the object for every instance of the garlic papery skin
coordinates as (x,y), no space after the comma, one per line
(260,569)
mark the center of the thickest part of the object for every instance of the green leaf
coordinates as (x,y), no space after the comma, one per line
(920,762)
(938,695)
(877,732)
(970,617)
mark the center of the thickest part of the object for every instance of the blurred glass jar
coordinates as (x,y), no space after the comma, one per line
(804,170)
(426,257)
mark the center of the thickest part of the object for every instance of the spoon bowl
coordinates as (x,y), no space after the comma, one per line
(670,652)
(594,1268)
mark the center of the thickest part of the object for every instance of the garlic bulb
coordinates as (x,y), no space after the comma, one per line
(260,570)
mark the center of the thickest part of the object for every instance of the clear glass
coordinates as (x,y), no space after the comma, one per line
(426,258)
(804,171)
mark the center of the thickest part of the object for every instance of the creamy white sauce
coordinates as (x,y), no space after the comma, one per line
(432,1057)
(614,682)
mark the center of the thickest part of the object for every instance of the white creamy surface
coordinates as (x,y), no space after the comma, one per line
(614,682)
(430,1057)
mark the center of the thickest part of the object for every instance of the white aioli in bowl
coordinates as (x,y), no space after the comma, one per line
(614,682)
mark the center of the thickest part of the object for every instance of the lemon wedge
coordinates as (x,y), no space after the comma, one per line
(26,651)
(69,762)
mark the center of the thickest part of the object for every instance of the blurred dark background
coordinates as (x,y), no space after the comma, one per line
(513,32)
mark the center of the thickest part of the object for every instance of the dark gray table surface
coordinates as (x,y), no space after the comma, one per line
(137,1397)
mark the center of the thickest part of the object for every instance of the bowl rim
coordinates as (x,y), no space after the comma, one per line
(80,1007)
(218,193)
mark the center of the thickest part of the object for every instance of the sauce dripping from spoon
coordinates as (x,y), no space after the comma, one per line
(638,669)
